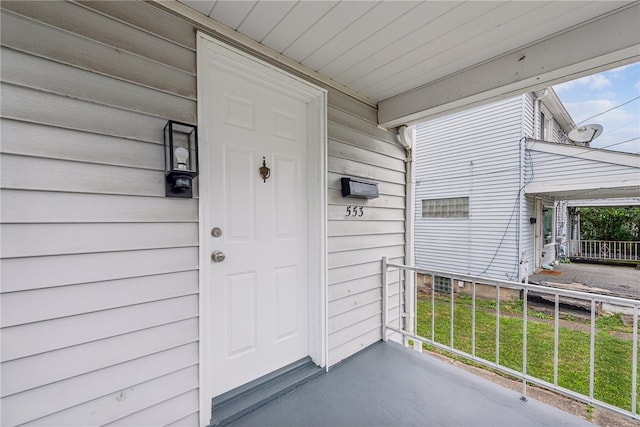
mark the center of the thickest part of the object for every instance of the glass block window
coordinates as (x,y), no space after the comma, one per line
(453,207)
(442,284)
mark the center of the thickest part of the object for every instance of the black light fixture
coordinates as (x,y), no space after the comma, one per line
(180,158)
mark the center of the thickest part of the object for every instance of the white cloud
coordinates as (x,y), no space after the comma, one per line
(592,95)
(621,69)
(593,82)
(598,81)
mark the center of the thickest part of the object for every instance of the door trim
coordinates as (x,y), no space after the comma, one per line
(214,53)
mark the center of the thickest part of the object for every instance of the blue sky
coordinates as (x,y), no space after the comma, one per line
(594,94)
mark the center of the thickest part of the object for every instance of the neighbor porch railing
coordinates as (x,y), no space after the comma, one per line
(399,316)
(605,250)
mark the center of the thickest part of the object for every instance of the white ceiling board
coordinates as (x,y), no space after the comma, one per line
(580,51)
(367,26)
(509,32)
(303,15)
(458,42)
(381,51)
(386,36)
(336,20)
(445,60)
(264,17)
(231,13)
(373,67)
(201,6)
(605,186)
(592,193)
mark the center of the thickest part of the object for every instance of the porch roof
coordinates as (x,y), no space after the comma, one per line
(569,172)
(418,59)
(390,385)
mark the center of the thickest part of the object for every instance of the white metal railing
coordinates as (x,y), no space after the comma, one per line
(605,250)
(406,307)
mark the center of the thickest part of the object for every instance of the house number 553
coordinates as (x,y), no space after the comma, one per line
(355,211)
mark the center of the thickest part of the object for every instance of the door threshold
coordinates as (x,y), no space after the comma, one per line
(235,403)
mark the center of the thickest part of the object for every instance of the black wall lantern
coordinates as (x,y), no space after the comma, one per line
(180,158)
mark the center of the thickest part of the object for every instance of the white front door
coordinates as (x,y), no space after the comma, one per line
(256,294)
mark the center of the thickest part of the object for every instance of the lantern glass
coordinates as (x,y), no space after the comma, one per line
(180,158)
(180,147)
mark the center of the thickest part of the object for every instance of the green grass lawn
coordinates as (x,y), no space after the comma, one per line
(613,345)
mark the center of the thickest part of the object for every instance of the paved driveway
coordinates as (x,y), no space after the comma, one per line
(617,280)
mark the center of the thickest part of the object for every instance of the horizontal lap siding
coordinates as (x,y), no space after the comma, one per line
(99,269)
(554,168)
(471,154)
(358,148)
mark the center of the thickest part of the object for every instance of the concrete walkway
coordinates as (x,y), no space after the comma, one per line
(613,280)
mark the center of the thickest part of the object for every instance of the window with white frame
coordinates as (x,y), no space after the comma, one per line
(546,126)
(452,207)
(547,224)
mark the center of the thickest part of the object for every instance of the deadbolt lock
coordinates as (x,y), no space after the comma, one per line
(216,232)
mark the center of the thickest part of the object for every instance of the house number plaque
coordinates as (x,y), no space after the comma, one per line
(357,211)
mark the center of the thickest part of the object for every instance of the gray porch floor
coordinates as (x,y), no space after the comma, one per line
(390,385)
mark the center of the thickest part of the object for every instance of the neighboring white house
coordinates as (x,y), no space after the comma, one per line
(491,194)
(122,306)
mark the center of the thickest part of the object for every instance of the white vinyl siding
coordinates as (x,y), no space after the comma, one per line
(99,268)
(472,154)
(549,167)
(356,245)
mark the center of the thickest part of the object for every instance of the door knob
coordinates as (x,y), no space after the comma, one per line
(218,256)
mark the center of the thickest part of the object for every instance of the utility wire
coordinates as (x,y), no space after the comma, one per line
(617,143)
(585,151)
(610,109)
(422,179)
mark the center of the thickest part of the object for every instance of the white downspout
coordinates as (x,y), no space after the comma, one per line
(536,113)
(406,138)
(536,119)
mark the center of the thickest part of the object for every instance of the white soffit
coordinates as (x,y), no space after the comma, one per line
(422,58)
(626,185)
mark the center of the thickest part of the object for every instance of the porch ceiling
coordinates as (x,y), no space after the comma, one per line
(591,190)
(416,59)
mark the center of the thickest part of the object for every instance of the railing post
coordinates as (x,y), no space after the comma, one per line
(384,299)
(473,320)
(524,347)
(402,307)
(634,360)
(417,345)
(497,324)
(592,348)
(556,326)
(433,307)
(451,281)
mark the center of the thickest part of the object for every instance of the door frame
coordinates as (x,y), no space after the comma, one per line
(211,54)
